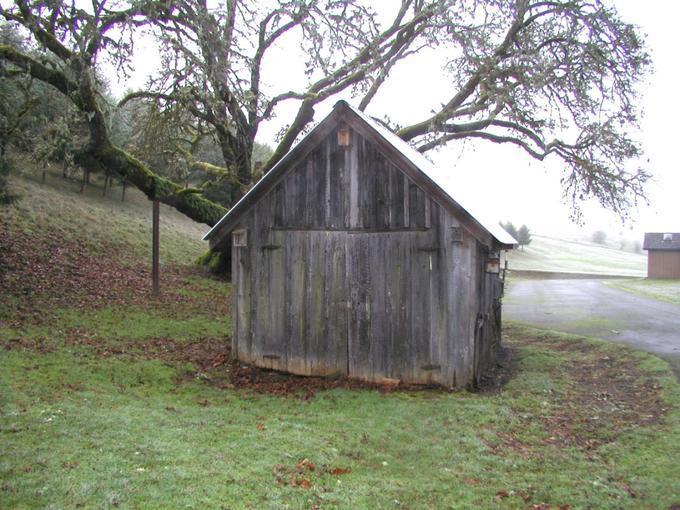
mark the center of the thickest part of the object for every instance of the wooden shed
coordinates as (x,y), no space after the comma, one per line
(663,254)
(350,257)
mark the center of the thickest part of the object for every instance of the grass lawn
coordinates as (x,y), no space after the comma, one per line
(559,255)
(663,290)
(93,416)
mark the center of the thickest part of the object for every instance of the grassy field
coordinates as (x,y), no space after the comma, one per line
(560,255)
(92,418)
(663,290)
(110,397)
(99,222)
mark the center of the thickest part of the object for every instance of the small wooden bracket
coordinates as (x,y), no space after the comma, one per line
(344,136)
(239,238)
(493,263)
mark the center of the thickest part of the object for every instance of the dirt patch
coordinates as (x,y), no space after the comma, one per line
(45,271)
(278,383)
(508,441)
(205,353)
(211,357)
(608,396)
(604,397)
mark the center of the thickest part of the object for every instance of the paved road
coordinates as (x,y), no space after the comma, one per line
(589,307)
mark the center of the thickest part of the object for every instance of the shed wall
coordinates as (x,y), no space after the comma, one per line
(350,268)
(663,264)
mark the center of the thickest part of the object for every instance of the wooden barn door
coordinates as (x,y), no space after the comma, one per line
(270,319)
(314,297)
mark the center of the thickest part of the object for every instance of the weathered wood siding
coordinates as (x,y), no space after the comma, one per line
(350,268)
(663,264)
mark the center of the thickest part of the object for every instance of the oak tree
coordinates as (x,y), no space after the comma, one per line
(556,78)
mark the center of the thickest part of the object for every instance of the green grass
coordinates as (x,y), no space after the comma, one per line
(123,323)
(560,255)
(80,430)
(663,290)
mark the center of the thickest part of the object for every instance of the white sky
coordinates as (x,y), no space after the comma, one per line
(511,185)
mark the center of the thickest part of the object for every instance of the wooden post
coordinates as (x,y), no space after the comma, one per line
(154,249)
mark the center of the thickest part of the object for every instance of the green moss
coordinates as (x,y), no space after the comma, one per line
(216,261)
(153,185)
(204,260)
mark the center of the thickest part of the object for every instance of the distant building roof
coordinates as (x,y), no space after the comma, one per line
(669,241)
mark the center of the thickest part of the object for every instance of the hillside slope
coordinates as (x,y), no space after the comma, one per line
(59,208)
(62,248)
(564,256)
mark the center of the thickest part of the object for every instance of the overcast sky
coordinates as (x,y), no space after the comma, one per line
(511,185)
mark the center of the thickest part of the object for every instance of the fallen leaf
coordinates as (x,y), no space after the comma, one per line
(300,481)
(336,471)
(305,464)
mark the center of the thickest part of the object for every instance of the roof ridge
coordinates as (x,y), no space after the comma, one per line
(416,159)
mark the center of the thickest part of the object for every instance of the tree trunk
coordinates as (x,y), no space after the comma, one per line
(84,179)
(122,197)
(237,153)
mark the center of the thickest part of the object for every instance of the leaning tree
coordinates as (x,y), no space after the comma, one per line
(554,78)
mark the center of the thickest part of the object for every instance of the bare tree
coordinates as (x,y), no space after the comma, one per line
(554,78)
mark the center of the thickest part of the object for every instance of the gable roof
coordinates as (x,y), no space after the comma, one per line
(655,241)
(423,173)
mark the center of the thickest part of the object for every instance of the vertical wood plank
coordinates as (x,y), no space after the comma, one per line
(407,204)
(336,313)
(296,252)
(359,277)
(328,219)
(353,168)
